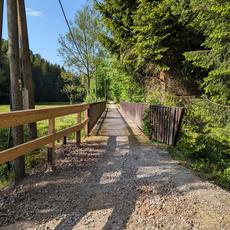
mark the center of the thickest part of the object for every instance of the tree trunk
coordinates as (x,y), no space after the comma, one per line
(26,65)
(16,94)
(88,84)
(105,90)
(96,86)
(1,22)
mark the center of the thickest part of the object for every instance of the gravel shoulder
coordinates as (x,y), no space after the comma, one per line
(114,181)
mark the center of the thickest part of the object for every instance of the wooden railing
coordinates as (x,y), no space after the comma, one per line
(17,118)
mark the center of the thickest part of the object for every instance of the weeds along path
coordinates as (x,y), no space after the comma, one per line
(115,181)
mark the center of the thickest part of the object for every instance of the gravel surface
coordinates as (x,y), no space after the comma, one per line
(114,181)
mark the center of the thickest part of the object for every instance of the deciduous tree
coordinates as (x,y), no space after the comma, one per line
(79,54)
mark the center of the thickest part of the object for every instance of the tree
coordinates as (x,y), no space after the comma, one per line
(46,80)
(4,74)
(80,54)
(16,94)
(212,19)
(150,39)
(72,87)
(118,21)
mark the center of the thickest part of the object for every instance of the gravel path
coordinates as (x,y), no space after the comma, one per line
(115,181)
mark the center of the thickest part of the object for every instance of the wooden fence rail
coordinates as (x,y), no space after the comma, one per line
(17,118)
(165,121)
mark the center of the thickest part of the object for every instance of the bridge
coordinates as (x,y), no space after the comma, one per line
(114,180)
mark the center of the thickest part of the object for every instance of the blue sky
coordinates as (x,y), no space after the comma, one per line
(45,23)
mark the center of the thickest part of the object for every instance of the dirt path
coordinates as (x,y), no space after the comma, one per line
(114,182)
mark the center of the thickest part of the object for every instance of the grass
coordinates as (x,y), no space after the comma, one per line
(38,156)
(4,108)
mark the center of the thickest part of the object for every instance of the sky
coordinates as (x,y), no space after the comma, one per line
(45,23)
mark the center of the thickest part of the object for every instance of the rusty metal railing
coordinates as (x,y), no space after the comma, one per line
(164,121)
(95,111)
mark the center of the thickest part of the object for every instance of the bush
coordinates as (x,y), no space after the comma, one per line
(205,139)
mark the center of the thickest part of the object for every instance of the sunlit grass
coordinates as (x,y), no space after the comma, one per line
(4,108)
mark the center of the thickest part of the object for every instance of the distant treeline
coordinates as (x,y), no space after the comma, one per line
(47,81)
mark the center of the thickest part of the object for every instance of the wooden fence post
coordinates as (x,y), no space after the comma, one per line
(78,133)
(86,126)
(180,117)
(64,140)
(51,146)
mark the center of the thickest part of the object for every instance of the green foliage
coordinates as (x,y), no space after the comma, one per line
(122,86)
(90,98)
(3,138)
(153,23)
(117,18)
(46,77)
(72,87)
(212,19)
(187,39)
(83,54)
(150,37)
(4,74)
(35,158)
(47,80)
(205,139)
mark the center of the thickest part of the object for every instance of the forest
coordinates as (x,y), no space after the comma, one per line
(46,76)
(162,52)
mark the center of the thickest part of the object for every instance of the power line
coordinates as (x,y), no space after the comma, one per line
(68,25)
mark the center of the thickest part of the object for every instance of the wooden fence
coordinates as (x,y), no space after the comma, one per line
(18,118)
(165,121)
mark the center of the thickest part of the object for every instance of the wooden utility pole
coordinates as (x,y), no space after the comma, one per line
(1,22)
(28,91)
(16,94)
